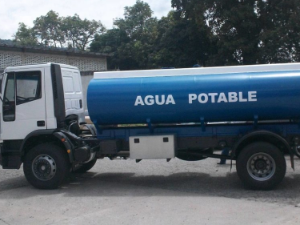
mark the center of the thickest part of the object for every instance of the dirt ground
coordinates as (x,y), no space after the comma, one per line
(150,192)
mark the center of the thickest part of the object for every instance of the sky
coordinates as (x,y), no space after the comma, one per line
(12,12)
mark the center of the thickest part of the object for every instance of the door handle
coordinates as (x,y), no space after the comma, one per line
(41,123)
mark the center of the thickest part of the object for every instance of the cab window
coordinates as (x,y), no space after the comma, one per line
(28,86)
(21,87)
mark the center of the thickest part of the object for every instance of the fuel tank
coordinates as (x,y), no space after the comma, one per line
(212,94)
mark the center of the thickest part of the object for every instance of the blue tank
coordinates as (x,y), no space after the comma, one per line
(238,93)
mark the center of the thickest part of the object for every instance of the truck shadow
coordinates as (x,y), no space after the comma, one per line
(180,184)
(13,183)
(177,184)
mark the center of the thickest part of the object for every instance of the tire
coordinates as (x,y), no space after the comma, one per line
(261,166)
(86,167)
(46,166)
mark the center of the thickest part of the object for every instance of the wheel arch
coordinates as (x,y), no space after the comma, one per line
(44,136)
(261,136)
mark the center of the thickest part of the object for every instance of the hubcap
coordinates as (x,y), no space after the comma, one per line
(261,166)
(44,167)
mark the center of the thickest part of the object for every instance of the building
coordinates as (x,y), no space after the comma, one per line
(87,62)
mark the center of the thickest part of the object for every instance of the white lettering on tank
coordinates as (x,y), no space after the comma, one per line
(241,99)
(201,99)
(139,101)
(149,100)
(192,97)
(157,99)
(252,96)
(170,100)
(222,98)
(232,97)
(213,97)
(163,99)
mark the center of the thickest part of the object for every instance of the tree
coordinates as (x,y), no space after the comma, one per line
(281,31)
(110,42)
(52,30)
(133,44)
(140,29)
(25,36)
(145,42)
(181,42)
(48,29)
(80,32)
(247,32)
(233,24)
(237,25)
(136,19)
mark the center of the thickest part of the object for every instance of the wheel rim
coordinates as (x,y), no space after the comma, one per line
(44,167)
(261,166)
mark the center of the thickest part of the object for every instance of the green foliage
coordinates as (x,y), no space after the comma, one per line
(280,39)
(48,29)
(247,31)
(52,30)
(136,19)
(207,32)
(79,33)
(181,42)
(25,36)
(145,42)
(131,43)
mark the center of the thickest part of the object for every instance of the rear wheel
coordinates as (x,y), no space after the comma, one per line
(261,165)
(46,166)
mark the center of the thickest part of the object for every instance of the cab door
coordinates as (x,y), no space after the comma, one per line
(23,106)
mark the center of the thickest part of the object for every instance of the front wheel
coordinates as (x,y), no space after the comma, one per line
(261,165)
(46,166)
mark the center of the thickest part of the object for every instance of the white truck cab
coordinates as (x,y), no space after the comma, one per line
(40,106)
(28,99)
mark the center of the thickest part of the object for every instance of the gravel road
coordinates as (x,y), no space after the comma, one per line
(150,192)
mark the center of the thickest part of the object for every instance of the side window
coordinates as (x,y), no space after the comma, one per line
(9,106)
(28,86)
(76,81)
(68,85)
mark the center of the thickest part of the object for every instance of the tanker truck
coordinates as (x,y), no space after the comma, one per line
(192,114)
